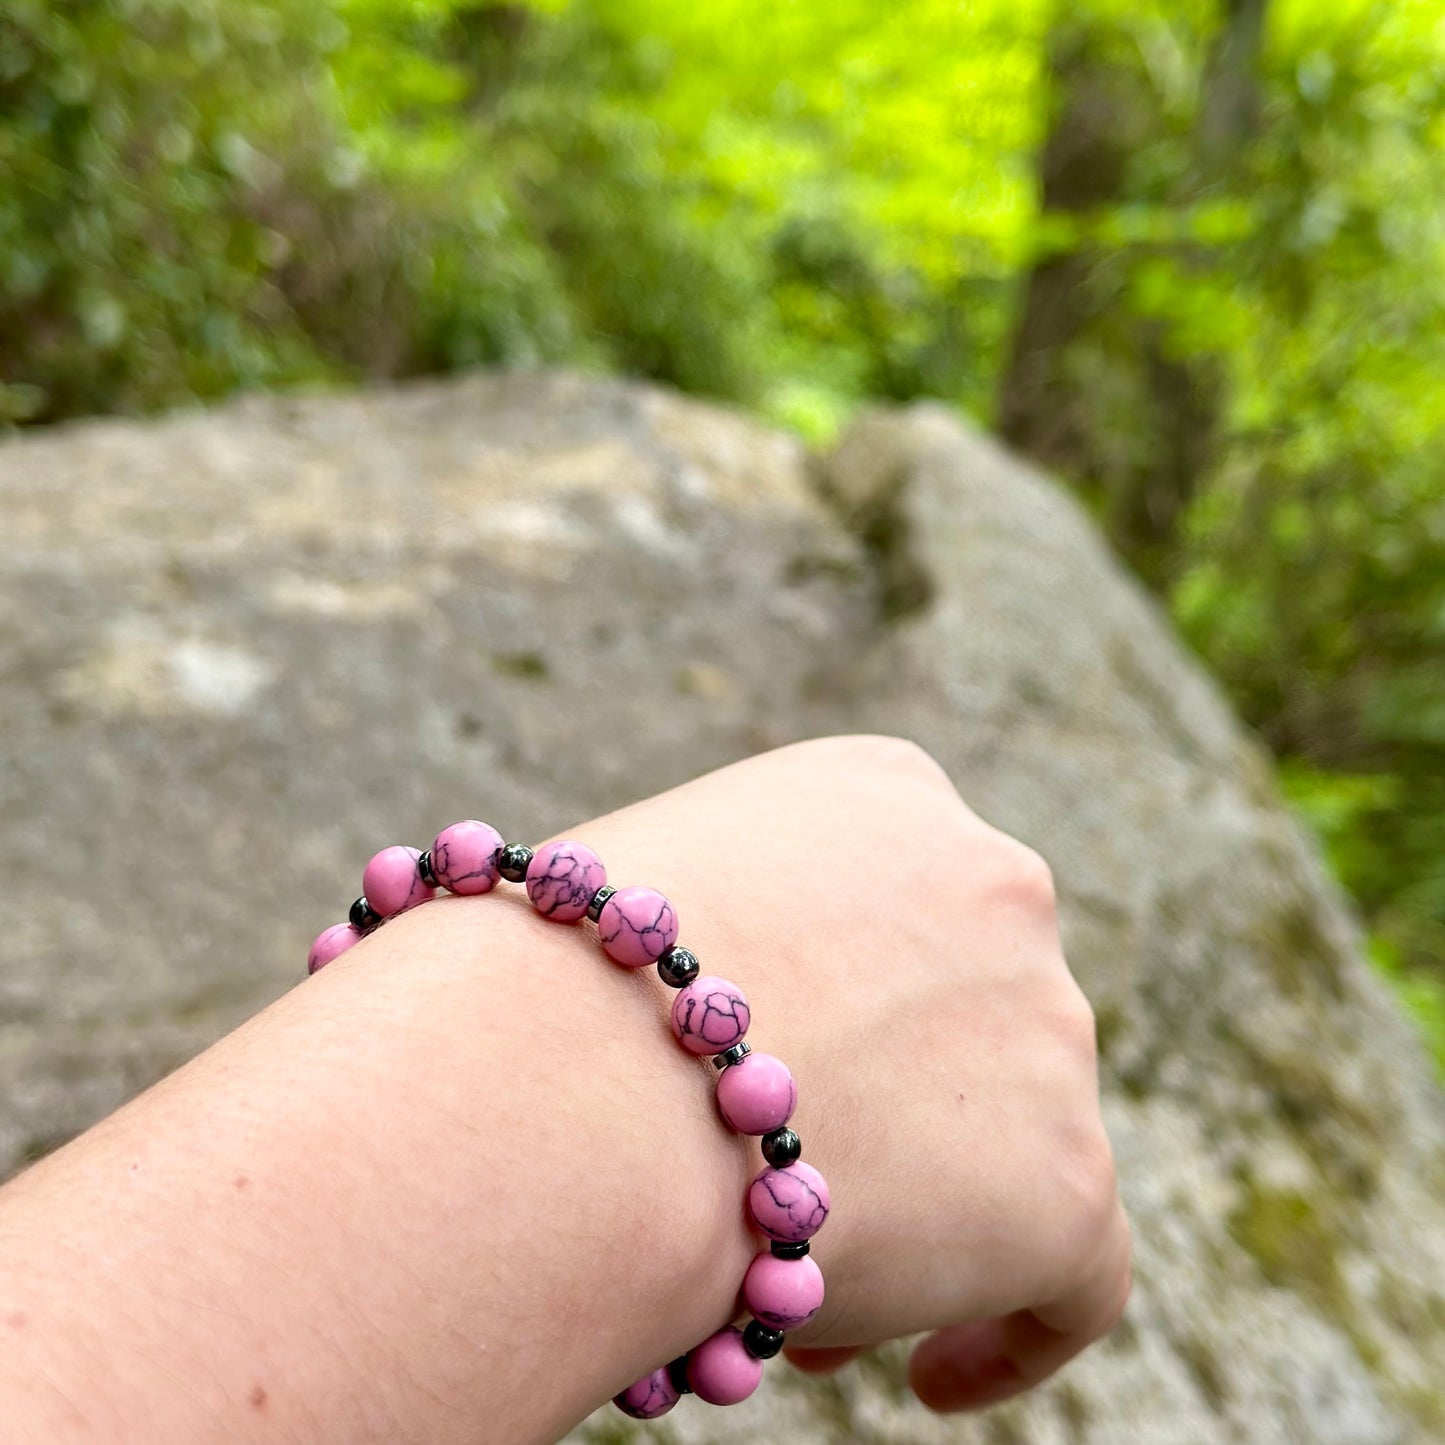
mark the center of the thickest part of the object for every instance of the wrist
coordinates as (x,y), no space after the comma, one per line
(551,1098)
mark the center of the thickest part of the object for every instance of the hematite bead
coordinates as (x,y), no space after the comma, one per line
(677,1373)
(781,1147)
(598,899)
(789,1251)
(363,916)
(731,1056)
(761,1342)
(677,967)
(423,867)
(514,861)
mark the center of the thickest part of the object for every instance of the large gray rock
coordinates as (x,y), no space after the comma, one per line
(238,651)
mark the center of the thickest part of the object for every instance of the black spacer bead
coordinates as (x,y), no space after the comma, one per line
(789,1251)
(513,862)
(731,1056)
(677,1373)
(761,1342)
(678,967)
(594,909)
(781,1148)
(363,916)
(423,868)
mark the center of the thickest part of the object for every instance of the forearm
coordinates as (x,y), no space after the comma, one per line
(462,1175)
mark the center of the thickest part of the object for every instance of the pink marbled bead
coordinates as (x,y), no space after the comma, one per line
(561,879)
(464,857)
(788,1204)
(636,926)
(331,943)
(710,1015)
(783,1293)
(649,1397)
(757,1094)
(721,1371)
(392,882)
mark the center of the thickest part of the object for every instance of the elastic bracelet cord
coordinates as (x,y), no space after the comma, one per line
(788,1201)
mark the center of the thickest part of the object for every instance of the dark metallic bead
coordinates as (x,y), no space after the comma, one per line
(513,862)
(789,1251)
(363,916)
(761,1342)
(731,1056)
(677,1373)
(677,967)
(594,909)
(781,1147)
(423,868)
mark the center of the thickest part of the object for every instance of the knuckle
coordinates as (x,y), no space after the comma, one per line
(888,755)
(1095,1186)
(1084,1214)
(1024,878)
(898,754)
(1114,1282)
(1034,879)
(1084,1181)
(1124,1288)
(1075,1020)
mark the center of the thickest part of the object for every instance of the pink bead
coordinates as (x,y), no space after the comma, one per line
(789,1204)
(392,882)
(720,1369)
(330,943)
(783,1293)
(464,857)
(637,926)
(651,1396)
(710,1015)
(757,1094)
(561,879)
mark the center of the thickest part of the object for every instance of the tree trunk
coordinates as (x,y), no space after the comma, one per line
(1082,171)
(1082,369)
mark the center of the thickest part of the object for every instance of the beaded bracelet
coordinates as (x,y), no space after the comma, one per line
(788,1201)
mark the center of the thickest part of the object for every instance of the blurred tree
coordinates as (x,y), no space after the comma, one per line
(1186,252)
(1229,339)
(1312,568)
(131,136)
(1119,137)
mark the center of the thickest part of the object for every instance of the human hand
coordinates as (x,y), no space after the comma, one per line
(903,957)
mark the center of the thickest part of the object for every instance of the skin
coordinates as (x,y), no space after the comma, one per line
(464,1182)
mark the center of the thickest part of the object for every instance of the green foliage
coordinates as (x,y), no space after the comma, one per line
(1311,571)
(139,143)
(742,201)
(805,206)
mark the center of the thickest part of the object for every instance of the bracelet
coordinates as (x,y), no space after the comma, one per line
(788,1201)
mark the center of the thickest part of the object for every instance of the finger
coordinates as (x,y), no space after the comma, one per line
(821,1361)
(968,1367)
(971,1366)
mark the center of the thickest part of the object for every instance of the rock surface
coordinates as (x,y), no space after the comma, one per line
(239,651)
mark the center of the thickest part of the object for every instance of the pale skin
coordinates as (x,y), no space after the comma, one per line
(463,1184)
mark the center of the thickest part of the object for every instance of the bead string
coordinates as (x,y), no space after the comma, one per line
(788,1201)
